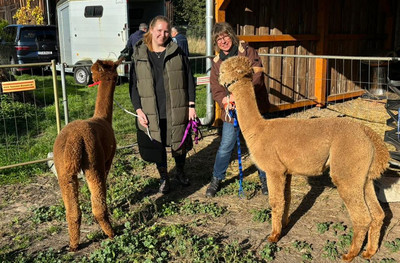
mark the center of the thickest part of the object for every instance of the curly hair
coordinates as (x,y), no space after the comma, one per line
(223,28)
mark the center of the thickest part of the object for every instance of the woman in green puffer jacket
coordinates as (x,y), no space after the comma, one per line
(162,91)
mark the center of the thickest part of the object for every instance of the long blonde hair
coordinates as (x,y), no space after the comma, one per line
(223,28)
(147,37)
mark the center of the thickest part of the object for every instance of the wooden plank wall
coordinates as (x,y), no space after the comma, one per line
(348,28)
(285,77)
(8,8)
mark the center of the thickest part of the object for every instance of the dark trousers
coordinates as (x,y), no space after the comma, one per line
(179,159)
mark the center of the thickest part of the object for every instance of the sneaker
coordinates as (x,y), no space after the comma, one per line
(213,187)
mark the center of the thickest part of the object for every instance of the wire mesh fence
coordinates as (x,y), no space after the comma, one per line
(27,117)
(28,123)
(302,80)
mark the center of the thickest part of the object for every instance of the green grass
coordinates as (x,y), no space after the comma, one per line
(249,187)
(153,244)
(188,207)
(263,215)
(393,246)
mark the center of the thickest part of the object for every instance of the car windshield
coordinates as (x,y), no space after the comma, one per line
(33,34)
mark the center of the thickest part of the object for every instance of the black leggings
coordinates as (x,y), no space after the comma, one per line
(179,159)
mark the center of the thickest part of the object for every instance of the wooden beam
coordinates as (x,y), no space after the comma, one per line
(347,95)
(320,81)
(217,117)
(222,4)
(279,38)
(289,106)
(220,7)
(305,103)
(220,16)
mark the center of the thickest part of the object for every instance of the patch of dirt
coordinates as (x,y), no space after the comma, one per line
(314,201)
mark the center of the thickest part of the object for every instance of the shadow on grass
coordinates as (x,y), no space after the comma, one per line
(318,185)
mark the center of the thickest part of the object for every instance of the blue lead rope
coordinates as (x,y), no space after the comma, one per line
(398,124)
(236,126)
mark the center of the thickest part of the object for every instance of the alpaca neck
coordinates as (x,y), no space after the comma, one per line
(104,100)
(247,110)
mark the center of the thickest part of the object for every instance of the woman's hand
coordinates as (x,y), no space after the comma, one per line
(142,118)
(192,114)
(228,102)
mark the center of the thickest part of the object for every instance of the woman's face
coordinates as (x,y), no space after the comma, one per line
(224,42)
(160,32)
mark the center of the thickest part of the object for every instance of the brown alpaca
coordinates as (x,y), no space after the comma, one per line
(88,145)
(281,147)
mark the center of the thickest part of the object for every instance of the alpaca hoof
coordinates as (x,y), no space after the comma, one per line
(367,255)
(273,238)
(73,248)
(347,257)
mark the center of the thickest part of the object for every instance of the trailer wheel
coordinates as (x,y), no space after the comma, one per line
(82,76)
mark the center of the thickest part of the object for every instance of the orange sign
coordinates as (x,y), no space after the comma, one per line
(203,80)
(21,85)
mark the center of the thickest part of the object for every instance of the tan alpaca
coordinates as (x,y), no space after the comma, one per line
(88,145)
(282,147)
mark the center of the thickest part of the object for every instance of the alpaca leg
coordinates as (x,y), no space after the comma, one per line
(377,220)
(288,199)
(352,194)
(108,163)
(108,167)
(69,190)
(276,187)
(97,185)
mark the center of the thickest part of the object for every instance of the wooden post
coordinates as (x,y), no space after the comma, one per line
(322,26)
(321,64)
(220,7)
(320,81)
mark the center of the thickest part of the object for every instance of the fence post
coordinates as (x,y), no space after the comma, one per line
(320,81)
(64,93)
(54,72)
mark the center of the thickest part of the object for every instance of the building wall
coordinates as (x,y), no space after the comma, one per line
(313,27)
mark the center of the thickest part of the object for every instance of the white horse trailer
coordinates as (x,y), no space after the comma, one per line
(99,29)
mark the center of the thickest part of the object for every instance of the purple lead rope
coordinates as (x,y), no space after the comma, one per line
(193,125)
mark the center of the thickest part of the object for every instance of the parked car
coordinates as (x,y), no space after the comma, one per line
(20,44)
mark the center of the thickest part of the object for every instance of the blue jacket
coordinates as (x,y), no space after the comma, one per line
(135,37)
(182,42)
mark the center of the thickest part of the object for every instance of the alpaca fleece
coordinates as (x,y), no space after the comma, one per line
(282,147)
(88,145)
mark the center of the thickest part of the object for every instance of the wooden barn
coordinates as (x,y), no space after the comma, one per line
(290,28)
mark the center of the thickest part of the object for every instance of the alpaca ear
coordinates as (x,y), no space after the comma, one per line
(95,66)
(101,65)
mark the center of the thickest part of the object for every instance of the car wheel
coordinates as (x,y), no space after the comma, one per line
(13,70)
(81,76)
